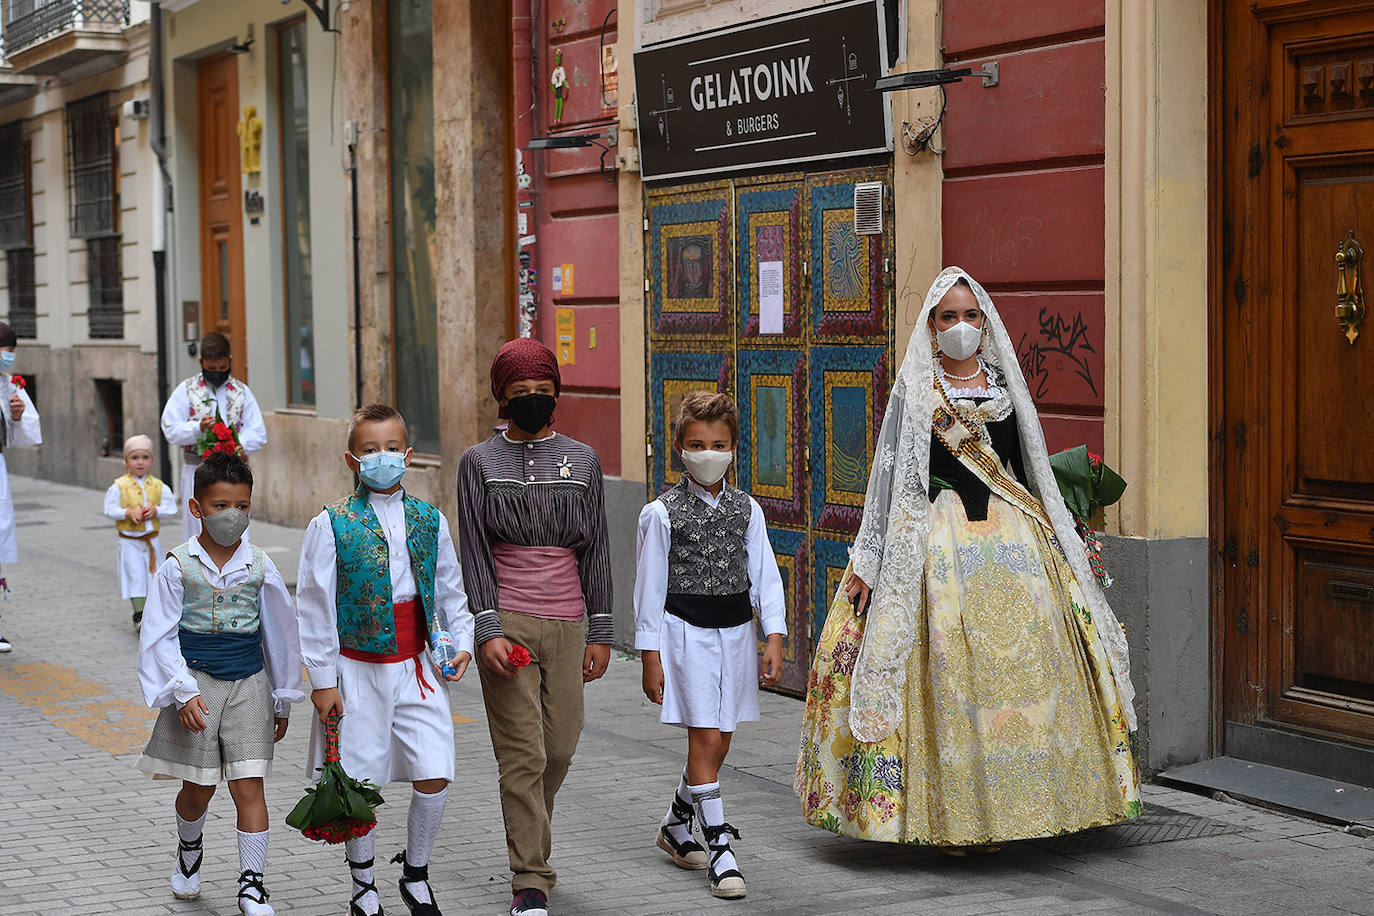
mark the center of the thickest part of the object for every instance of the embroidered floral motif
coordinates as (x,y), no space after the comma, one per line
(1012,556)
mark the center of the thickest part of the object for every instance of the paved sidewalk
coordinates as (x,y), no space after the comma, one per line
(82,832)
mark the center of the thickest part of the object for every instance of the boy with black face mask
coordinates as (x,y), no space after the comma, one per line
(220,654)
(536,567)
(213,396)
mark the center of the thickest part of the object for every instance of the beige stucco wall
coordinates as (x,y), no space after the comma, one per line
(1156,390)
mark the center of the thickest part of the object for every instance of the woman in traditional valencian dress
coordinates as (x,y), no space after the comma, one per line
(971,684)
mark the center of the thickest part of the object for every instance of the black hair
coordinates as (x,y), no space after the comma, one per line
(214,346)
(7,336)
(222,468)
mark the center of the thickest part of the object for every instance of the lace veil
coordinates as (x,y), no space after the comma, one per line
(890,551)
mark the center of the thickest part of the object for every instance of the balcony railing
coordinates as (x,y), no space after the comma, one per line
(30,21)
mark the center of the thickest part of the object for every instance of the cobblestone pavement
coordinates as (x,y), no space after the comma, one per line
(83,832)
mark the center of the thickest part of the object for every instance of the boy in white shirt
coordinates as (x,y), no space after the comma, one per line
(18,426)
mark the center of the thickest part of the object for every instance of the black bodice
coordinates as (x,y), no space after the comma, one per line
(1006,442)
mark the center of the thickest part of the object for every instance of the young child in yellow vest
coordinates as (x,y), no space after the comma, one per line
(378,585)
(138,502)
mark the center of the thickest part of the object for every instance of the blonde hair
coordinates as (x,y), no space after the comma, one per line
(375,413)
(706,407)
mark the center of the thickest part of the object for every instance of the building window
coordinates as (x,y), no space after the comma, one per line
(109,399)
(105,282)
(93,195)
(415,355)
(295,168)
(16,229)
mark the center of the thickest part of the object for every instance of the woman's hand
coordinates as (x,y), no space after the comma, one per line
(652,680)
(858,592)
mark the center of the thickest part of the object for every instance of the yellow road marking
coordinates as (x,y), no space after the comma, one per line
(82,708)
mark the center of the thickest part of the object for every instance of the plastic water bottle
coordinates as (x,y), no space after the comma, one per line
(443,652)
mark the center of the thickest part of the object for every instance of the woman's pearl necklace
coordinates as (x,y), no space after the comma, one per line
(962,378)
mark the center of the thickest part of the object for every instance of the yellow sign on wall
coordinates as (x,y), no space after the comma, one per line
(566,331)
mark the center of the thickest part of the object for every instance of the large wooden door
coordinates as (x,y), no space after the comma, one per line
(221,225)
(1296,423)
(811,378)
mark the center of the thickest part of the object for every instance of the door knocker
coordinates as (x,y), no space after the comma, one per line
(1349,287)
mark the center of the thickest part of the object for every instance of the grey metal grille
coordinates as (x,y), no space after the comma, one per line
(14,186)
(19,277)
(90,166)
(106,285)
(1156,825)
(29,21)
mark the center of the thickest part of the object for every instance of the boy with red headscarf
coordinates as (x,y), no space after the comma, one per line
(536,567)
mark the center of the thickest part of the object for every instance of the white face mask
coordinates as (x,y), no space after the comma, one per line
(707,467)
(960,341)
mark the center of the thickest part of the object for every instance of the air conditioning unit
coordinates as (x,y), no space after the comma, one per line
(868,208)
(137,109)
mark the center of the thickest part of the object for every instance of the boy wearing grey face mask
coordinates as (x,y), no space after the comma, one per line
(220,654)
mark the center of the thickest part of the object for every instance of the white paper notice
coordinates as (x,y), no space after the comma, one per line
(770,297)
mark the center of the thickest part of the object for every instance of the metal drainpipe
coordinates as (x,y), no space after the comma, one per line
(162,208)
(357,277)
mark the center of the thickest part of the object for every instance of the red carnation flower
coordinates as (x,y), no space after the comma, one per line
(221,431)
(519,656)
(18,381)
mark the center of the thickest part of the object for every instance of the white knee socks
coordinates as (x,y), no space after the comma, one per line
(680,833)
(253,851)
(363,849)
(422,829)
(252,862)
(711,809)
(190,832)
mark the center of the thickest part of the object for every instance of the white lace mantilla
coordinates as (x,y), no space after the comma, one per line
(890,551)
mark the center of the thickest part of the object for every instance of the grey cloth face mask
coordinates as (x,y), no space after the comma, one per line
(226,526)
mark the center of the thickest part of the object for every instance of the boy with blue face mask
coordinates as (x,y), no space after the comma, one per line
(378,584)
(219,653)
(18,426)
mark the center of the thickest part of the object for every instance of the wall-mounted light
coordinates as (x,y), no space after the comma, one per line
(924,79)
(602,141)
(243,47)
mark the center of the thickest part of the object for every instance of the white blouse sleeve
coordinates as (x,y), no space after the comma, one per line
(162,671)
(252,430)
(450,598)
(27,430)
(177,426)
(651,574)
(281,647)
(765,582)
(113,509)
(316,579)
(168,506)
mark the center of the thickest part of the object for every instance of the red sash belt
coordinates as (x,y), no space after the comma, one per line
(410,643)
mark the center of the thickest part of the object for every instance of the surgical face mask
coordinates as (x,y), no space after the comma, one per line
(960,341)
(381,470)
(226,526)
(531,412)
(6,360)
(215,379)
(707,467)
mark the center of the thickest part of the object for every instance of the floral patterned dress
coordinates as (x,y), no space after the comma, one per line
(1012,726)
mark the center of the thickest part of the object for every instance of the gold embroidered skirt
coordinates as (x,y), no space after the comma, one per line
(1012,727)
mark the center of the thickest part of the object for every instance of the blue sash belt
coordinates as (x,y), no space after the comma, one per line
(225,656)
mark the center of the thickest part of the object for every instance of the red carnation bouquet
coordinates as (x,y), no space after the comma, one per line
(219,437)
(338,807)
(18,381)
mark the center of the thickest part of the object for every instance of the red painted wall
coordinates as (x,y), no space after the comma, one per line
(1024,210)
(572,209)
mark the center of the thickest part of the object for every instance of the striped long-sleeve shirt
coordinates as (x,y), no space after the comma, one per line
(547,493)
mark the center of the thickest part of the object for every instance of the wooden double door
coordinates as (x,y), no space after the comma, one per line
(1293,415)
(763,289)
(221,222)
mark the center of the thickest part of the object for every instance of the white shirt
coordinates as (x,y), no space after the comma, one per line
(26,430)
(162,671)
(651,574)
(113,510)
(180,430)
(317,586)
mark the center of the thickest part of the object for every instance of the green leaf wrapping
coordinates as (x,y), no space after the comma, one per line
(1074,474)
(300,815)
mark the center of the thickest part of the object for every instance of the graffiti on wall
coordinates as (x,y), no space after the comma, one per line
(1060,341)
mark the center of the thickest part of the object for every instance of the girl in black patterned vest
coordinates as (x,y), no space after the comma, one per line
(704,566)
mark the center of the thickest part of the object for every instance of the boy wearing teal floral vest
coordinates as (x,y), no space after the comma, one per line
(378,584)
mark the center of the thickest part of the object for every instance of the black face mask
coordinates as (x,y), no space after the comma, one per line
(214,379)
(531,412)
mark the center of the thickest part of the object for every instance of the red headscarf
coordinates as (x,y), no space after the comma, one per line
(521,359)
